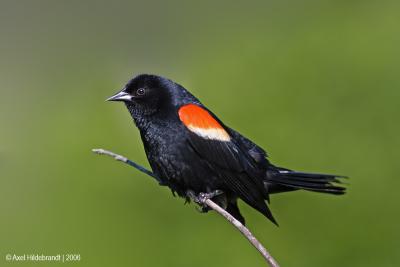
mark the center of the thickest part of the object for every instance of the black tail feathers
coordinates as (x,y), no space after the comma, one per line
(282,180)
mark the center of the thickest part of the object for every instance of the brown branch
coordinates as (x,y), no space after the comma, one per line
(243,229)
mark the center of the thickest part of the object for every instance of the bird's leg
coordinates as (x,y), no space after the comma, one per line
(201,198)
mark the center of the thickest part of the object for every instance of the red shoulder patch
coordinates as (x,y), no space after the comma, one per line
(199,121)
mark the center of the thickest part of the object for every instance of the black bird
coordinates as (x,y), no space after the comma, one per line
(194,152)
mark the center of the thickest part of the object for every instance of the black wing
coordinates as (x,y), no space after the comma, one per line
(238,170)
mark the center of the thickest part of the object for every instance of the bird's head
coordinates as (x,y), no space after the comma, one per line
(147,94)
(144,94)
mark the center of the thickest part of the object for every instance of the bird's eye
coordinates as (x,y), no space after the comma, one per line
(140,92)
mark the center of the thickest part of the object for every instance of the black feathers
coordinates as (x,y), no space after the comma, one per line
(323,183)
(190,149)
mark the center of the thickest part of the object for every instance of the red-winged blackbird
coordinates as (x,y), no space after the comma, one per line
(194,152)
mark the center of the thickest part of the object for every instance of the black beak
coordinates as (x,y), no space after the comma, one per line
(121,96)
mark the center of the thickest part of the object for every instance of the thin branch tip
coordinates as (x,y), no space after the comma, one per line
(101,151)
(202,200)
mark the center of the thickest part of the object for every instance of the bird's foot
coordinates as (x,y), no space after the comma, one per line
(201,198)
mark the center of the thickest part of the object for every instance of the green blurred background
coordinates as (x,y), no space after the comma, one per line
(314,82)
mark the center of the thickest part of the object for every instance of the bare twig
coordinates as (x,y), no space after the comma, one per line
(101,151)
(243,229)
